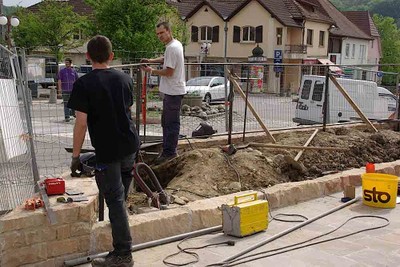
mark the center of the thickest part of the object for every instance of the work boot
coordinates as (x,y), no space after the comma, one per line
(113,260)
(163,158)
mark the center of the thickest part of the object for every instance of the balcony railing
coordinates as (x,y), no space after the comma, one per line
(296,49)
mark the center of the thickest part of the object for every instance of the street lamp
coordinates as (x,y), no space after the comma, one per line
(9,21)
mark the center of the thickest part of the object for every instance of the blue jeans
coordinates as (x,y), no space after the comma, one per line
(113,180)
(170,122)
(67,111)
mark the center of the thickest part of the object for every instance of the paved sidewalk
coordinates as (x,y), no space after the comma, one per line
(379,247)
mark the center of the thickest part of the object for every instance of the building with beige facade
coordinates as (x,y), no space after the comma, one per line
(287,31)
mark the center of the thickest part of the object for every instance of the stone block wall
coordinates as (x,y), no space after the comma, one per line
(26,237)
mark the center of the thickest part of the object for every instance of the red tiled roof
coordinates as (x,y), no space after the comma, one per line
(78,6)
(363,20)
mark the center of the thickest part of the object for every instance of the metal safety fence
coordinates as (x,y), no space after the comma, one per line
(18,172)
(231,97)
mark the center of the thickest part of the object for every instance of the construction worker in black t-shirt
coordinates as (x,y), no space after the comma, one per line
(102,100)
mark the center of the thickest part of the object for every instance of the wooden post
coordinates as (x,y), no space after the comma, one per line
(234,82)
(352,103)
(306,144)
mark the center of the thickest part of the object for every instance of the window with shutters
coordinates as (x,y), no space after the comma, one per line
(249,34)
(206,33)
(236,34)
(195,34)
(310,37)
(347,51)
(321,38)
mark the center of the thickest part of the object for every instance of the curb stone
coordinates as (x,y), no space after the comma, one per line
(205,213)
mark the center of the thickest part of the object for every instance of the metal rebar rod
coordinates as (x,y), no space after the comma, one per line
(279,235)
(149,244)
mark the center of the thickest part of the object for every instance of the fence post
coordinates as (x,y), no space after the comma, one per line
(398,94)
(21,72)
(231,96)
(326,100)
(138,98)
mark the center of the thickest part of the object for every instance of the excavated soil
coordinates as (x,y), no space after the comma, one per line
(209,172)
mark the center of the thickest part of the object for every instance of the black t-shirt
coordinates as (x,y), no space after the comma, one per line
(106,96)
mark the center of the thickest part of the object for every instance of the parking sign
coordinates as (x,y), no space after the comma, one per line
(278,60)
(277,54)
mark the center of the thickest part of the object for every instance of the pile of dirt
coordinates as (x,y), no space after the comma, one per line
(208,172)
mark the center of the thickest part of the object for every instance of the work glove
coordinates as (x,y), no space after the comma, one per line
(75,164)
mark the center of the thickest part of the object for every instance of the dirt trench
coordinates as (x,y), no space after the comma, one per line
(208,172)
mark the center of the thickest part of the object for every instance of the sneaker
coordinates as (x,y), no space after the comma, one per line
(113,260)
(67,119)
(163,158)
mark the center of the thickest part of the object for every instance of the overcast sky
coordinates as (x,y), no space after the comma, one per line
(23,3)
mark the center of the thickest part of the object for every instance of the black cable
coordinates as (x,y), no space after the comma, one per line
(233,167)
(281,250)
(187,139)
(174,190)
(288,215)
(283,214)
(191,253)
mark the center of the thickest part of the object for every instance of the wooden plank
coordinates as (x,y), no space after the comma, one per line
(352,103)
(253,111)
(298,147)
(306,144)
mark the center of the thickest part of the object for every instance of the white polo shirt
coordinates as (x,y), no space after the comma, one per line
(173,58)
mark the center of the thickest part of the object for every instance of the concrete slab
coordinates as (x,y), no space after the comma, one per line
(372,248)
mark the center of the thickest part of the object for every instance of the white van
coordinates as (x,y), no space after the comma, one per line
(374,103)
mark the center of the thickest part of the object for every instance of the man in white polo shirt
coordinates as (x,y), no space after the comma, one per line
(173,87)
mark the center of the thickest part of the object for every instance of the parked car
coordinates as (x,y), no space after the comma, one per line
(390,97)
(375,102)
(84,69)
(209,87)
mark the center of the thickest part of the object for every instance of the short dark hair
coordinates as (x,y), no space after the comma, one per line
(99,49)
(166,25)
(68,59)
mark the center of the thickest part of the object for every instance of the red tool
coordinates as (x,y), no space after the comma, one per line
(33,203)
(54,186)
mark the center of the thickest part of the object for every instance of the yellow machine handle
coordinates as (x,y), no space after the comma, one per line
(246,198)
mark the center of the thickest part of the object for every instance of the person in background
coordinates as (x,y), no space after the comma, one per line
(102,100)
(172,86)
(66,78)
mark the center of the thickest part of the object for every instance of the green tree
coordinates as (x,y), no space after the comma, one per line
(130,25)
(51,27)
(390,45)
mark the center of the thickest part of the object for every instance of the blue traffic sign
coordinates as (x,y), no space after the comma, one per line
(379,74)
(278,53)
(278,68)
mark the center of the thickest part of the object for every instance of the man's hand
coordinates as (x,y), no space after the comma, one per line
(75,164)
(145,60)
(147,69)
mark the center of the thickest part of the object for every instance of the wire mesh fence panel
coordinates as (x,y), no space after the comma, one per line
(52,121)
(278,96)
(17,180)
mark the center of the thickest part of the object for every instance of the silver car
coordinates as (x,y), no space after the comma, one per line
(211,88)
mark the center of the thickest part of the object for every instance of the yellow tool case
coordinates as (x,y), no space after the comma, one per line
(246,216)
